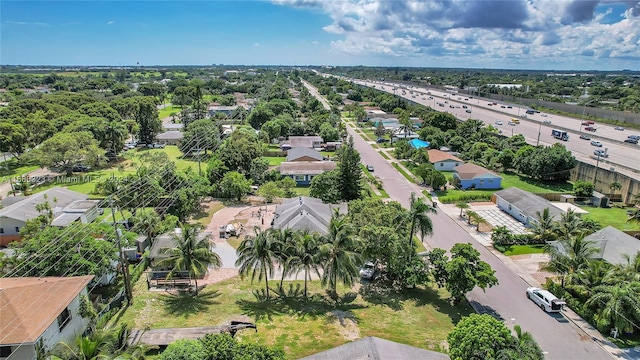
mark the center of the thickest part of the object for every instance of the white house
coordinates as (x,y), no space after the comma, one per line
(39,312)
(443,161)
(524,206)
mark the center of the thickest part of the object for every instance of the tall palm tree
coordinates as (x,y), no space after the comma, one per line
(306,256)
(471,216)
(338,252)
(419,213)
(571,256)
(625,272)
(192,253)
(616,305)
(462,206)
(284,247)
(569,225)
(544,226)
(256,255)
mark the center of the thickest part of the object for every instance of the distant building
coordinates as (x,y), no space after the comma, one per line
(472,176)
(304,171)
(305,213)
(170,137)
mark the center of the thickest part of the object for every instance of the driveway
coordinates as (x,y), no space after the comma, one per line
(497,217)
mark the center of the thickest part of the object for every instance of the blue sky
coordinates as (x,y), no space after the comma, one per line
(520,34)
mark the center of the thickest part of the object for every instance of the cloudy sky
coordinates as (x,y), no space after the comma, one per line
(514,34)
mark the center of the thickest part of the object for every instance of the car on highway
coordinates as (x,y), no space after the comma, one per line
(509,107)
(544,115)
(369,270)
(598,152)
(468,111)
(451,106)
(464,106)
(498,122)
(511,123)
(585,137)
(502,106)
(596,143)
(547,121)
(370,168)
(619,128)
(634,137)
(545,299)
(631,141)
(590,128)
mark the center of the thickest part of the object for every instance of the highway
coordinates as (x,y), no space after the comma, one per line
(623,157)
(558,338)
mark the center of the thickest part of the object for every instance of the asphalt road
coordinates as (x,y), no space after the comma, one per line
(621,155)
(558,338)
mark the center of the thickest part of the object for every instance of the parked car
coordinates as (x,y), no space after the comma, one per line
(631,141)
(590,128)
(498,122)
(585,137)
(596,143)
(602,153)
(155,146)
(619,128)
(369,270)
(370,168)
(545,299)
(382,140)
(81,168)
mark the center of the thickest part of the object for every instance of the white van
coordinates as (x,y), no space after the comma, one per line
(546,300)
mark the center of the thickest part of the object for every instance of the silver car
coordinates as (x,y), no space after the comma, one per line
(369,270)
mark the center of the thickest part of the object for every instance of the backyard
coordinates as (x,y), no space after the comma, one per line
(304,327)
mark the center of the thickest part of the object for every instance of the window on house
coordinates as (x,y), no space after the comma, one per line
(64,318)
(509,207)
(17,229)
(298,178)
(1,230)
(481,182)
(5,351)
(441,164)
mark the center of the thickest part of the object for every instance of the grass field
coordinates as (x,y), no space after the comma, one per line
(520,249)
(615,217)
(419,317)
(167,111)
(275,161)
(15,168)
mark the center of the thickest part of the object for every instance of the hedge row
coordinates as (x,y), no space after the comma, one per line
(449,199)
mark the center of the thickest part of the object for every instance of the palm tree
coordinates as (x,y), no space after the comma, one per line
(471,216)
(480,220)
(338,253)
(256,255)
(615,186)
(306,255)
(527,345)
(591,276)
(284,242)
(569,225)
(625,272)
(192,253)
(462,206)
(616,305)
(115,133)
(419,214)
(406,126)
(544,226)
(569,257)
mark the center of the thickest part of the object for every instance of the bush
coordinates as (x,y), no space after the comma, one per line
(464,197)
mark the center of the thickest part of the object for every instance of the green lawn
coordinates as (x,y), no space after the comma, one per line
(520,249)
(15,168)
(163,113)
(275,161)
(302,190)
(610,216)
(419,317)
(510,179)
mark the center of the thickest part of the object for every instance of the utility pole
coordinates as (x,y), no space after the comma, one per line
(539,131)
(123,263)
(199,150)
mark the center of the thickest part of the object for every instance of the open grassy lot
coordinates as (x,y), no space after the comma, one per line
(418,317)
(275,161)
(168,110)
(615,217)
(520,249)
(15,168)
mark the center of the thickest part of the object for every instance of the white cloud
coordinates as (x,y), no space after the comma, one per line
(483,31)
(256,44)
(110,22)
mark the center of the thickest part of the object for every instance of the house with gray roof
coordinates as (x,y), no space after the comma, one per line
(524,206)
(171,137)
(472,176)
(67,207)
(312,142)
(612,245)
(304,171)
(375,348)
(305,213)
(303,154)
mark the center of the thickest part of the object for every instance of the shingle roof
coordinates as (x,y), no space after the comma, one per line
(373,348)
(306,167)
(527,202)
(305,213)
(303,141)
(30,305)
(170,135)
(613,244)
(470,171)
(26,209)
(437,156)
(298,152)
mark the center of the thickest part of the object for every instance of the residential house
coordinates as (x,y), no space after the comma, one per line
(311,142)
(305,213)
(373,347)
(332,145)
(304,171)
(303,154)
(403,134)
(217,109)
(524,206)
(172,137)
(40,312)
(67,207)
(443,161)
(612,245)
(173,127)
(472,176)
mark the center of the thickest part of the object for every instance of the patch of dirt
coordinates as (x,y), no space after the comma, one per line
(348,324)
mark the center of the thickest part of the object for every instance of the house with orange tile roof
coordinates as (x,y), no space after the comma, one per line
(39,313)
(443,161)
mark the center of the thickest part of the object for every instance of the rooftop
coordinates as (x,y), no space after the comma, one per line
(305,213)
(58,198)
(527,202)
(438,156)
(374,348)
(470,171)
(306,167)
